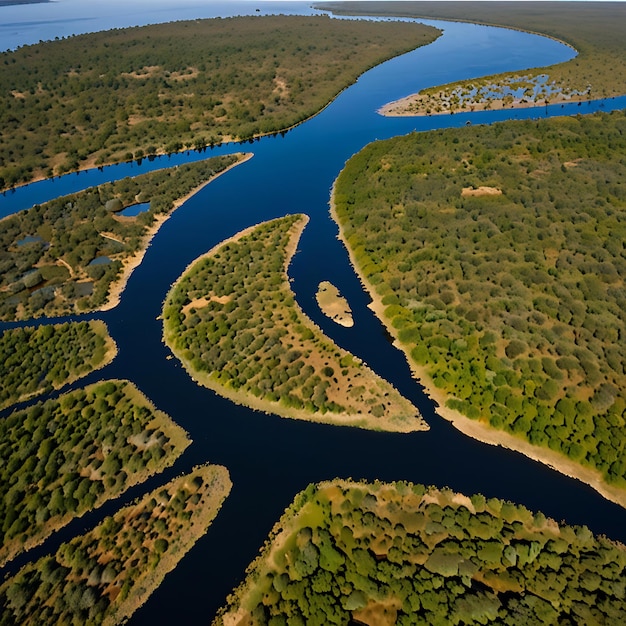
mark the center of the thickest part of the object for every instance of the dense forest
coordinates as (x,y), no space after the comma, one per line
(35,360)
(66,456)
(405,554)
(103,576)
(128,93)
(63,256)
(499,253)
(234,323)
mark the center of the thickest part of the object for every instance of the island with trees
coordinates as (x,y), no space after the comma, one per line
(36,360)
(233,322)
(399,553)
(105,575)
(124,94)
(66,456)
(496,257)
(74,254)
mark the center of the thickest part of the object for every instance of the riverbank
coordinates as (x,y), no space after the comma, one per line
(131,263)
(478,429)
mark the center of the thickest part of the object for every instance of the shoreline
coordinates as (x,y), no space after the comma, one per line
(276,408)
(117,287)
(400,108)
(478,429)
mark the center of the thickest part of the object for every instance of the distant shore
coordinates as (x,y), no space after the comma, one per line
(479,429)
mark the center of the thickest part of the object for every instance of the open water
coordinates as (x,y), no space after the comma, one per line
(271,459)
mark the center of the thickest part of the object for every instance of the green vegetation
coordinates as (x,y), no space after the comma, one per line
(594,29)
(63,457)
(36,360)
(128,93)
(103,576)
(47,252)
(233,322)
(400,553)
(499,255)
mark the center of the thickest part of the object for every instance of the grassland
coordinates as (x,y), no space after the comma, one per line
(75,253)
(384,554)
(63,457)
(34,360)
(233,322)
(594,29)
(103,576)
(114,96)
(509,304)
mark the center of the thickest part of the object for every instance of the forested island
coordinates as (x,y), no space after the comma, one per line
(103,576)
(128,93)
(66,456)
(74,254)
(233,322)
(34,360)
(496,256)
(401,553)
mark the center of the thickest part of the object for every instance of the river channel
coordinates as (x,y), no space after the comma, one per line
(271,459)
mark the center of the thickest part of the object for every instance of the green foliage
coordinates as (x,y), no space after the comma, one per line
(597,71)
(63,457)
(233,321)
(129,553)
(514,303)
(46,251)
(111,96)
(36,360)
(404,554)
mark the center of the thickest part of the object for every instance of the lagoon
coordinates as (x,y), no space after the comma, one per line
(269,458)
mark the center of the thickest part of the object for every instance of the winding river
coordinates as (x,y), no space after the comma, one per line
(270,459)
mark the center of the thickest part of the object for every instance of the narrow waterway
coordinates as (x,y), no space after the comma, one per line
(270,459)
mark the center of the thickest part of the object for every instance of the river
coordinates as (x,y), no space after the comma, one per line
(270,459)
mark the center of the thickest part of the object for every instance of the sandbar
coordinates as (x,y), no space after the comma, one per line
(333,304)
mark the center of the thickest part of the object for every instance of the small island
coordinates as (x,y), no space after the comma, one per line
(105,575)
(382,554)
(233,322)
(34,360)
(333,304)
(66,456)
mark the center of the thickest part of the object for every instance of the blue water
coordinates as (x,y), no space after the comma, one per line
(100,260)
(270,459)
(134,209)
